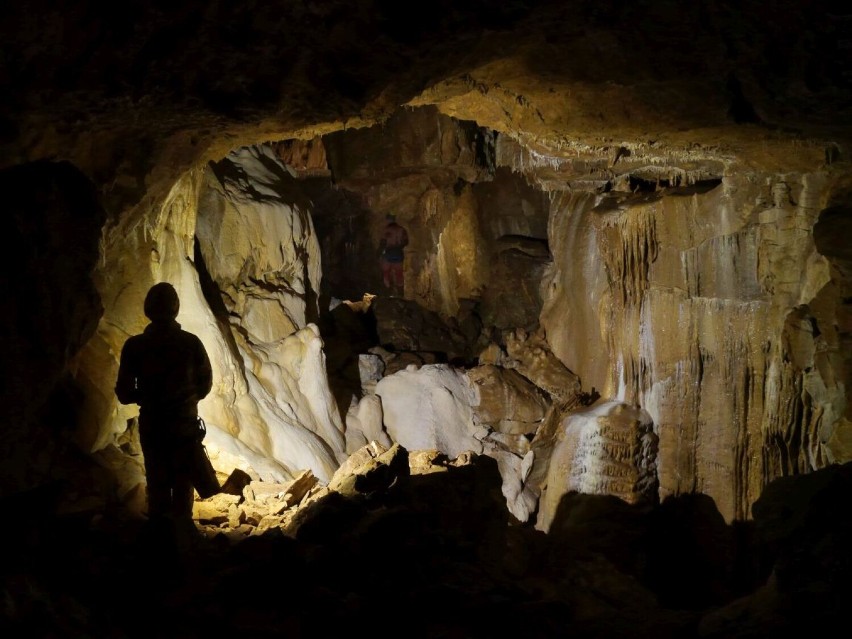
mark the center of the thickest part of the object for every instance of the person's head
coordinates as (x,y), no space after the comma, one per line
(390,217)
(161,302)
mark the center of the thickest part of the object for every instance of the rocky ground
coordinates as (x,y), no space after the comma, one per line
(416,545)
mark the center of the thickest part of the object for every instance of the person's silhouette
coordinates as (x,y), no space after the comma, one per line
(166,371)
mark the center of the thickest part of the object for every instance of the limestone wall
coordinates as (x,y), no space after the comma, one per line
(270,411)
(696,307)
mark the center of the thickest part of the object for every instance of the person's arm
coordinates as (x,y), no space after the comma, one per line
(125,385)
(204,372)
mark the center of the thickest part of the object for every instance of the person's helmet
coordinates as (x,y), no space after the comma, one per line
(161,302)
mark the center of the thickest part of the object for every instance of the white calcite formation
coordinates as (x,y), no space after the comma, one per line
(608,449)
(521,497)
(437,407)
(271,412)
(255,231)
(260,250)
(431,408)
(364,424)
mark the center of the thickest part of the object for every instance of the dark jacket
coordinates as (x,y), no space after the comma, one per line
(166,371)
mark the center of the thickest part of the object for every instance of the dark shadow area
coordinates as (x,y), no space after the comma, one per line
(696,188)
(440,548)
(740,110)
(789,568)
(347,330)
(832,232)
(342,224)
(213,297)
(51,307)
(692,552)
(681,550)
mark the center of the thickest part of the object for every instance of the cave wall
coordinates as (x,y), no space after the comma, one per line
(826,332)
(52,220)
(691,288)
(241,252)
(596,95)
(697,307)
(477,233)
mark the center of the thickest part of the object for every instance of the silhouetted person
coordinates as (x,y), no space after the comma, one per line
(166,371)
(394,239)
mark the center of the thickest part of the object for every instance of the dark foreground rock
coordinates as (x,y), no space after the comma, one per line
(427,549)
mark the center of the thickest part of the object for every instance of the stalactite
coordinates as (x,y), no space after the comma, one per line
(634,238)
(784,410)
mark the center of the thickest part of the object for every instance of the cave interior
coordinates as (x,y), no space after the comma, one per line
(610,401)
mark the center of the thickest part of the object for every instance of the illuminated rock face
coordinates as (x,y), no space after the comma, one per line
(270,411)
(431,408)
(706,305)
(439,408)
(508,401)
(256,235)
(255,232)
(609,449)
(706,310)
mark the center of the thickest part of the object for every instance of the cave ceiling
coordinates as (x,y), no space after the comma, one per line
(134,95)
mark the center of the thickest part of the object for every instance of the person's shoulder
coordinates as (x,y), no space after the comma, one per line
(135,341)
(134,345)
(190,337)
